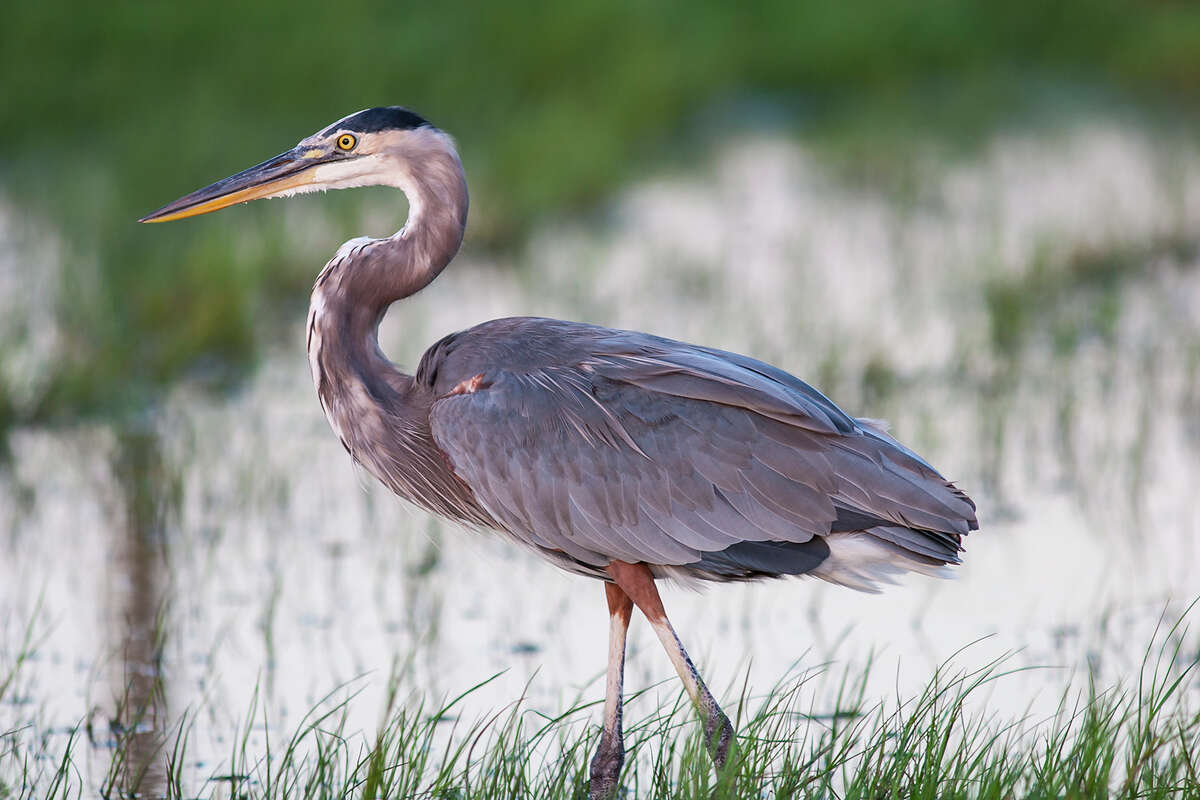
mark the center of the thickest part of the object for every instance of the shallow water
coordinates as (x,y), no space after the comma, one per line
(1027,320)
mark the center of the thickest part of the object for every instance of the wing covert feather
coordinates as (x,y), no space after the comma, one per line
(664,457)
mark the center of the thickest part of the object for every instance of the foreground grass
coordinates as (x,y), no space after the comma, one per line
(1139,739)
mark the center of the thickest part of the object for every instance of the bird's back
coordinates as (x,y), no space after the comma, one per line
(591,444)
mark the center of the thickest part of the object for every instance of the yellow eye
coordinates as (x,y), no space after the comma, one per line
(346,142)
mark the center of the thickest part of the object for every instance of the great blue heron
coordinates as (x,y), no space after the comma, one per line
(616,455)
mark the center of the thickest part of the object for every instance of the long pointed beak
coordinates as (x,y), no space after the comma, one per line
(285,173)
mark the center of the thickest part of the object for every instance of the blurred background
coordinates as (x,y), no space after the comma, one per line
(980,221)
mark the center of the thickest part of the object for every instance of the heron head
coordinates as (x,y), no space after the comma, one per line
(377,146)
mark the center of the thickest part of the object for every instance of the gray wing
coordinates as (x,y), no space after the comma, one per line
(658,452)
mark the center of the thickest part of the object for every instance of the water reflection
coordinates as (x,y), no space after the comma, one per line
(141,718)
(1028,322)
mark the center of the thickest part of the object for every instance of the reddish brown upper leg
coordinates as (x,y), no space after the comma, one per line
(619,603)
(637,582)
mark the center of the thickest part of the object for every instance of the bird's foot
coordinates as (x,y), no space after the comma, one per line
(606,768)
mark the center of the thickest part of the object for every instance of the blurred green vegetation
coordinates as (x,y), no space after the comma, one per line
(110,110)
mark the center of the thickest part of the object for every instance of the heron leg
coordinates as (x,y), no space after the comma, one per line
(637,582)
(610,755)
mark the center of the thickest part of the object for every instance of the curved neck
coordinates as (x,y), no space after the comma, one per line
(368,275)
(380,414)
